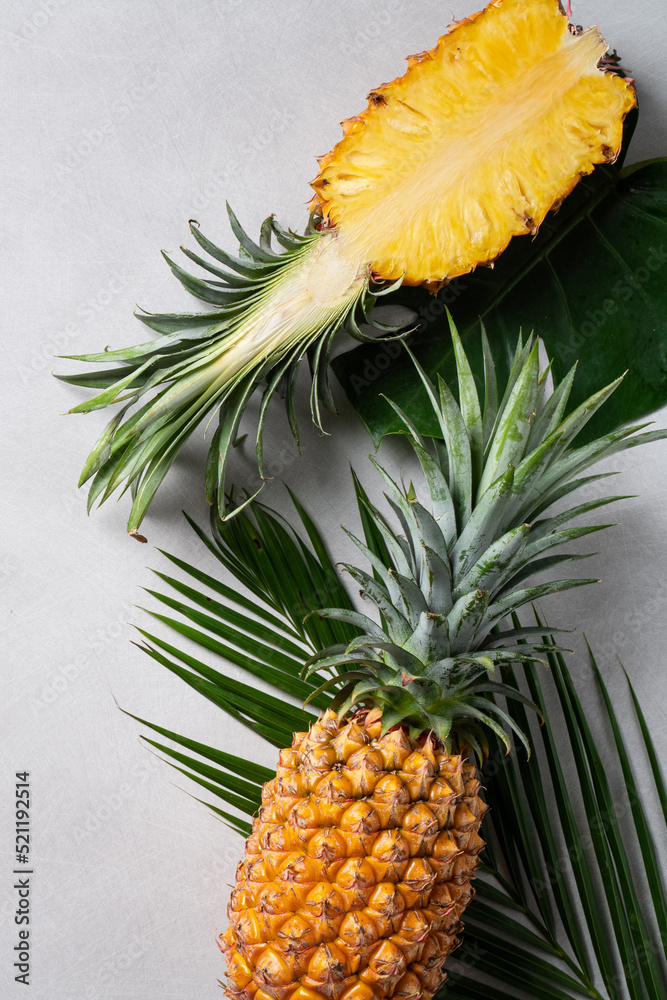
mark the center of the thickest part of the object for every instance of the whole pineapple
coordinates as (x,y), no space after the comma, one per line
(474,144)
(360,860)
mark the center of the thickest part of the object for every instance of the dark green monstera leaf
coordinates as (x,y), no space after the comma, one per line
(593,284)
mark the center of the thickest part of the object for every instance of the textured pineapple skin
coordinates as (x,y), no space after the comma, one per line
(358,868)
(483,135)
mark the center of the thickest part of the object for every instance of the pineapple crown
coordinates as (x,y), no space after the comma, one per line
(459,569)
(214,361)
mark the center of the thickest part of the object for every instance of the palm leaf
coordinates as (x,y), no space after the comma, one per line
(607,889)
(566,906)
(269,636)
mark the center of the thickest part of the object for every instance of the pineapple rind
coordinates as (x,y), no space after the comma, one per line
(357,870)
(474,144)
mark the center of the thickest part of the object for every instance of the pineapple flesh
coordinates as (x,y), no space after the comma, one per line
(358,868)
(474,144)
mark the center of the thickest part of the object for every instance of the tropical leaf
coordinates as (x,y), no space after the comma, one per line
(591,284)
(269,636)
(607,890)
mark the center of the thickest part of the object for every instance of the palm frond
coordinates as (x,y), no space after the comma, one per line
(590,898)
(269,635)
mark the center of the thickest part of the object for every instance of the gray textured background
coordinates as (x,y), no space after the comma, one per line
(120,121)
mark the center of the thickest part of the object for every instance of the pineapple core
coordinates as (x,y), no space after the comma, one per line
(474,144)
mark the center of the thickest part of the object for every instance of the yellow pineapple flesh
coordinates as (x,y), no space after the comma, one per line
(357,870)
(474,144)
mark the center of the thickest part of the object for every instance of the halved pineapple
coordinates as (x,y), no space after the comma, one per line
(473,145)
